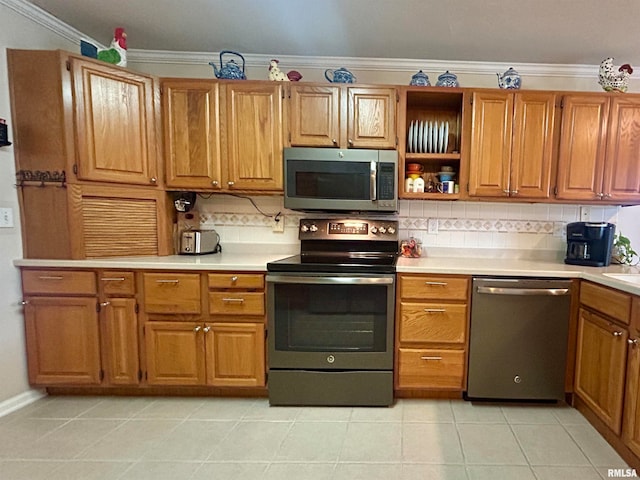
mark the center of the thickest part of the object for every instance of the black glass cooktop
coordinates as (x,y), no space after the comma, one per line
(336,263)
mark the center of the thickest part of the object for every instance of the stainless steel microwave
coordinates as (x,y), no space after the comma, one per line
(341,180)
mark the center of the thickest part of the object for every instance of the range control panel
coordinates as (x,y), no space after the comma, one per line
(348,229)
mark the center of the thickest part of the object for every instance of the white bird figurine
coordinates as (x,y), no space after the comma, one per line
(612,80)
(275,73)
(116,53)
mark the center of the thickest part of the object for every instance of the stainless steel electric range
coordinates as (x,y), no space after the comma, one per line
(330,313)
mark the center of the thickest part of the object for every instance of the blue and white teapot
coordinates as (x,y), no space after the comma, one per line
(509,79)
(231,70)
(340,75)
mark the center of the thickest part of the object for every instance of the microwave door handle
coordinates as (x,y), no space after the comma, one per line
(374,171)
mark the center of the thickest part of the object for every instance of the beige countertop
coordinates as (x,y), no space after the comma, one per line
(239,261)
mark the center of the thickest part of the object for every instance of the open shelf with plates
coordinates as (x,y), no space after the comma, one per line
(431,135)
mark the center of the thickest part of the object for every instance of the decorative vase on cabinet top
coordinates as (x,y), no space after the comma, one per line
(231,70)
(420,79)
(339,75)
(509,79)
(447,79)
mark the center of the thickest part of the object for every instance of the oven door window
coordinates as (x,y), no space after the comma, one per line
(330,180)
(320,318)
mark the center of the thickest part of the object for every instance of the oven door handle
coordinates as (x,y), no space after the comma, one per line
(330,280)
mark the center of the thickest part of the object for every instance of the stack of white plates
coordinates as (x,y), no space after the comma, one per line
(428,137)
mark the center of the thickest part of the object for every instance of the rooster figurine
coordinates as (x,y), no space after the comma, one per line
(116,53)
(612,80)
(275,73)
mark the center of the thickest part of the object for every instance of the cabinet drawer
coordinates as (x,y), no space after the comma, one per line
(430,368)
(611,302)
(230,280)
(36,282)
(240,303)
(172,293)
(433,322)
(434,287)
(117,283)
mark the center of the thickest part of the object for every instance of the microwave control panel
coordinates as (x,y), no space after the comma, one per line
(386,181)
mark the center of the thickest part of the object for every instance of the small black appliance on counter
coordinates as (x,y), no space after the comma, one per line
(589,244)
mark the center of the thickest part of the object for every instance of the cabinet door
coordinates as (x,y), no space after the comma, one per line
(631,418)
(371,114)
(115,124)
(622,167)
(490,152)
(174,353)
(253,136)
(315,116)
(63,343)
(532,149)
(582,147)
(191,133)
(235,354)
(120,342)
(600,367)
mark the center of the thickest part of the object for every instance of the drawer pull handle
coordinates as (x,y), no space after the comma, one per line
(617,334)
(233,300)
(438,284)
(112,279)
(431,358)
(49,277)
(168,281)
(435,310)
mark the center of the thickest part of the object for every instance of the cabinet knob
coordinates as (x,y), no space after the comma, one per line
(514,192)
(230,184)
(617,334)
(197,329)
(206,329)
(214,183)
(607,195)
(506,190)
(154,180)
(350,142)
(335,142)
(234,279)
(24,302)
(104,304)
(600,195)
(633,342)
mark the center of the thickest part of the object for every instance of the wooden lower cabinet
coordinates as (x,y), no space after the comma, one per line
(431,332)
(119,342)
(216,354)
(63,340)
(235,354)
(600,367)
(631,416)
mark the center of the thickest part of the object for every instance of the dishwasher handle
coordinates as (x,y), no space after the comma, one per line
(523,291)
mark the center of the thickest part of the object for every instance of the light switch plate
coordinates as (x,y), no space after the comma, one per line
(278,225)
(6,217)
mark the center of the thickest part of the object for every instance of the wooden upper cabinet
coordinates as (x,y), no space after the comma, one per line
(621,179)
(511,144)
(315,115)
(371,117)
(253,135)
(115,124)
(492,117)
(582,147)
(191,118)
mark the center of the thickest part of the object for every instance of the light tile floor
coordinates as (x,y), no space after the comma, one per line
(126,438)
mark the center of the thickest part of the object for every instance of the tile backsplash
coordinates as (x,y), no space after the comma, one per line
(462,228)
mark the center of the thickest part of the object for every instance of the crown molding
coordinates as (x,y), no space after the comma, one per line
(55,25)
(48,21)
(371,64)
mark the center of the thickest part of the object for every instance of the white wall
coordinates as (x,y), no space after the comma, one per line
(15,32)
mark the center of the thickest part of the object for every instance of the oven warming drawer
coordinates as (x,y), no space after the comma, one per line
(348,388)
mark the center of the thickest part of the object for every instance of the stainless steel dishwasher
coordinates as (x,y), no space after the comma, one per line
(518,338)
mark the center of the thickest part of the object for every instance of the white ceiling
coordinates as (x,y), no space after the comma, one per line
(539,31)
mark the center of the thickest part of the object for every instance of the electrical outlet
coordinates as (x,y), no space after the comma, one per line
(6,217)
(432,225)
(585,213)
(278,224)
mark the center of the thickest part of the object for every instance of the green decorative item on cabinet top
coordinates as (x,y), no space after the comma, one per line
(623,252)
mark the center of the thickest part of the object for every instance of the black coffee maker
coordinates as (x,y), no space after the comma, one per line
(589,243)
